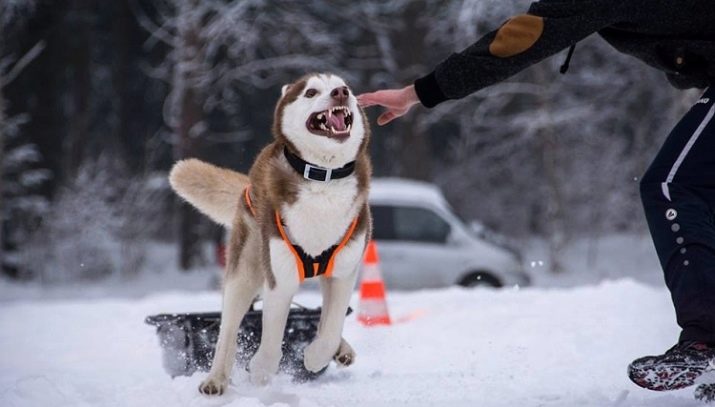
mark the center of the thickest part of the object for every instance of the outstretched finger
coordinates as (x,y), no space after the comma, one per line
(366,100)
(386,117)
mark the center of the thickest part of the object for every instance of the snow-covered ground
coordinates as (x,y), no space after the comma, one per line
(533,347)
(564,342)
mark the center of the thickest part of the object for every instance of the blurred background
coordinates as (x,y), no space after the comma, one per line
(99,98)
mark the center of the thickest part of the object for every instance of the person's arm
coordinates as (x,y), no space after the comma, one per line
(523,40)
(397,101)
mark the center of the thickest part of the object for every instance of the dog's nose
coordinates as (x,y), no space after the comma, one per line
(340,94)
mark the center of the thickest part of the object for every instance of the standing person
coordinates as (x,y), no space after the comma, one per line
(678,190)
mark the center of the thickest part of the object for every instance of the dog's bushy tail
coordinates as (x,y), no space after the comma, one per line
(213,190)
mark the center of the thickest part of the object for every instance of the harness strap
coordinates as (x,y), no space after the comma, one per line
(305,261)
(314,266)
(247,198)
(565,66)
(298,260)
(346,239)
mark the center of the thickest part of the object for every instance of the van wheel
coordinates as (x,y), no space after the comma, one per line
(480,279)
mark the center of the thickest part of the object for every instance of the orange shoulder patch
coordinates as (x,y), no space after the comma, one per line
(517,35)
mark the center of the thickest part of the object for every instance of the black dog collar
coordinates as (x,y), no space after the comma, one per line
(317,173)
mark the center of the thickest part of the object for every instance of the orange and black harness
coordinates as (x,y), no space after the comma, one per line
(308,266)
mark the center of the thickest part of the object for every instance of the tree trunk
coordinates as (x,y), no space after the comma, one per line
(189,115)
(80,60)
(414,156)
(120,68)
(2,177)
(554,200)
(189,252)
(554,212)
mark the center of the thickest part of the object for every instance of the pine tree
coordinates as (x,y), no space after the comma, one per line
(20,204)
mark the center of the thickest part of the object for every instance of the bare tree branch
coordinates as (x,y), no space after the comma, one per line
(22,63)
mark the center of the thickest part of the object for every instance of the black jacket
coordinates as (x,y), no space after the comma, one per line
(674,36)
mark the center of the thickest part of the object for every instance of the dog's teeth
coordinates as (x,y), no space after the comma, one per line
(322,126)
(350,126)
(347,130)
(321,116)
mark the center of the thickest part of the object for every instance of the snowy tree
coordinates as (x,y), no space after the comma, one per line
(217,49)
(396,51)
(20,204)
(549,154)
(98,225)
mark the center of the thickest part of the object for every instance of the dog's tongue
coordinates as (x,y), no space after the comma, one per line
(337,121)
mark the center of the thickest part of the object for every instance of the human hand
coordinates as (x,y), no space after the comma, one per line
(397,101)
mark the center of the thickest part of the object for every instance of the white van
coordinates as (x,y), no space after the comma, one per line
(423,244)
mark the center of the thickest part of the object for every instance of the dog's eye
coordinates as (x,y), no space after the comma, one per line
(310,93)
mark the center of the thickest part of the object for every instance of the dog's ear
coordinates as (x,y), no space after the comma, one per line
(285,90)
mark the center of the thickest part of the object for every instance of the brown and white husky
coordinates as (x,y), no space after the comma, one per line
(300,212)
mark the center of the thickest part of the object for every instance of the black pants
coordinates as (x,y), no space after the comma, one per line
(678,193)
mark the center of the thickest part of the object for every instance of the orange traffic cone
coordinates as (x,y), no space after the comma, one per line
(373,306)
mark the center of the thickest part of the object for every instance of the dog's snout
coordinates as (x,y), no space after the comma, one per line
(340,94)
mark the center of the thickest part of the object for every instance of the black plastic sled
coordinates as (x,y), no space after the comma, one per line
(188,341)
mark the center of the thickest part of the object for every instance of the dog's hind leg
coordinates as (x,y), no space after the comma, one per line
(336,296)
(345,356)
(241,286)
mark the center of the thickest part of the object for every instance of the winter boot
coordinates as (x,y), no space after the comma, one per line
(677,368)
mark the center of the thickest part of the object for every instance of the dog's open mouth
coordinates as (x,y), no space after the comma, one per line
(335,122)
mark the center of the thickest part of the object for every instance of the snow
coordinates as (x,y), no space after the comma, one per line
(158,273)
(564,342)
(529,347)
(591,260)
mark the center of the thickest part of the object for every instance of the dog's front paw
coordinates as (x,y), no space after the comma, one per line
(262,367)
(317,355)
(345,355)
(213,385)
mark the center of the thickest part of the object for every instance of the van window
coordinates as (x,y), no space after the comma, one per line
(408,223)
(419,225)
(383,225)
